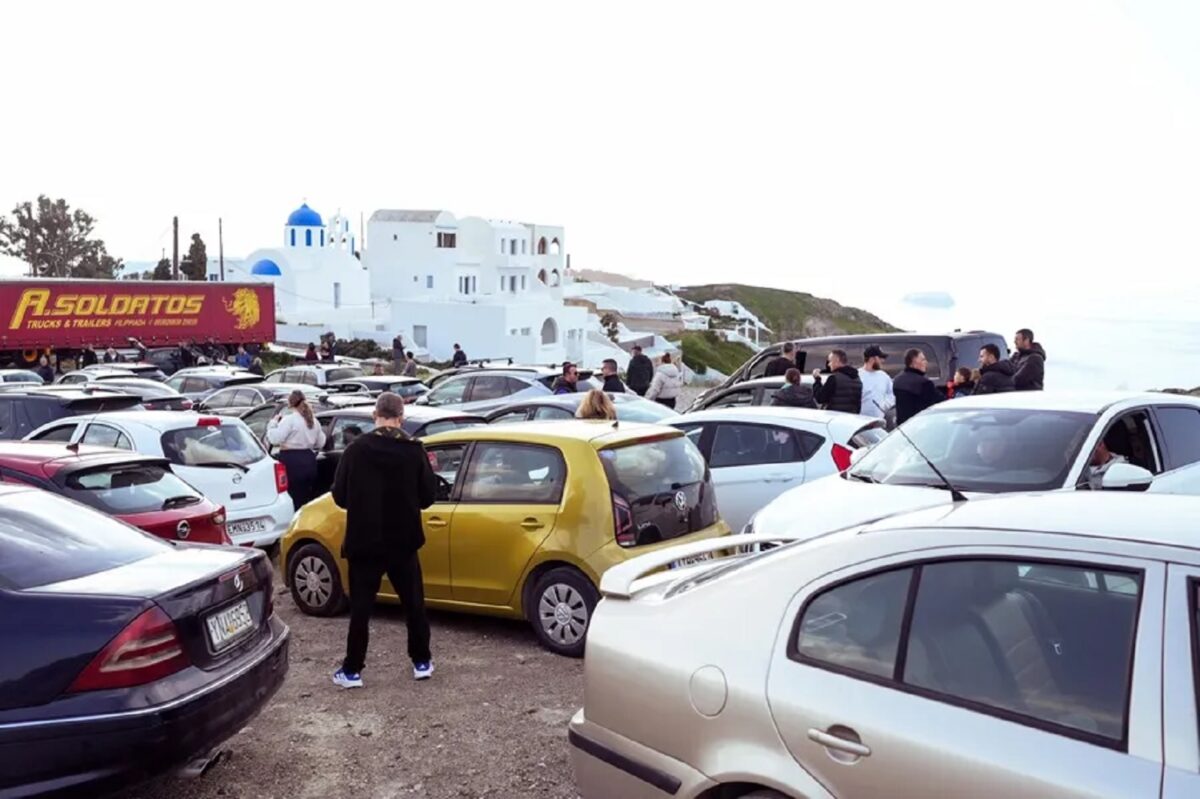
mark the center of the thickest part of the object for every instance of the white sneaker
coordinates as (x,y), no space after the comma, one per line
(341,678)
(422,671)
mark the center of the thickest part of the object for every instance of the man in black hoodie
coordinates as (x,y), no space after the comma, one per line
(842,389)
(779,365)
(640,373)
(1030,362)
(384,481)
(995,375)
(914,391)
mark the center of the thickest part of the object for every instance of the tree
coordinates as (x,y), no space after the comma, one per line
(609,323)
(162,270)
(55,241)
(194,265)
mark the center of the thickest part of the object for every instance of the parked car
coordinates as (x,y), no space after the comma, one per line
(630,408)
(155,396)
(314,374)
(144,369)
(758,453)
(197,384)
(527,519)
(481,391)
(137,489)
(21,377)
(241,397)
(545,374)
(749,393)
(407,387)
(217,454)
(1020,442)
(342,425)
(946,353)
(22,410)
(125,656)
(1023,646)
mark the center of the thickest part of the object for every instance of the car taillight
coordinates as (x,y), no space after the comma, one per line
(208,421)
(146,650)
(841,457)
(281,483)
(186,405)
(218,519)
(623,522)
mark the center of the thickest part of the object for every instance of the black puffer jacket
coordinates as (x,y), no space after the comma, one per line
(797,396)
(841,390)
(613,385)
(996,378)
(640,373)
(384,481)
(914,393)
(1031,368)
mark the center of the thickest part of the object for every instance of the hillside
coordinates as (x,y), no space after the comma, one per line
(704,350)
(791,314)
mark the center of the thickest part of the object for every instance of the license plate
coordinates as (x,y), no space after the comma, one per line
(683,562)
(247,527)
(228,624)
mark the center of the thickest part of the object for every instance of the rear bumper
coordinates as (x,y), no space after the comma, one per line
(608,765)
(278,516)
(89,756)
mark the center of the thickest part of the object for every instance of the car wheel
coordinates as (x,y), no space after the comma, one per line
(315,582)
(764,794)
(560,608)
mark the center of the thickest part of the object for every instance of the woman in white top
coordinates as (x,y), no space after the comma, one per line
(668,381)
(299,437)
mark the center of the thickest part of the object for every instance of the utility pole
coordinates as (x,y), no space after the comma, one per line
(221,247)
(175,249)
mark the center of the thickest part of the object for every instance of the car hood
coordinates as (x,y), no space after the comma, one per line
(833,503)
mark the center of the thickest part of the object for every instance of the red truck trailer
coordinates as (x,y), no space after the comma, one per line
(66,315)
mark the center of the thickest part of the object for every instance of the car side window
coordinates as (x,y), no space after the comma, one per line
(512,416)
(490,387)
(516,473)
(176,383)
(61,433)
(7,426)
(446,461)
(734,399)
(102,435)
(449,391)
(345,430)
(194,385)
(551,412)
(753,444)
(856,625)
(1129,437)
(1180,430)
(310,378)
(219,399)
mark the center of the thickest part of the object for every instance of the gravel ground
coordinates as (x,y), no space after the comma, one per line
(491,722)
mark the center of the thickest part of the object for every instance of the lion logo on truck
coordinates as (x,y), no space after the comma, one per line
(244,308)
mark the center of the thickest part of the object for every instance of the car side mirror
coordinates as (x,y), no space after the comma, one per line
(857,455)
(1126,477)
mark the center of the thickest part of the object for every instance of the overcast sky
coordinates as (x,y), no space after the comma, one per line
(927,145)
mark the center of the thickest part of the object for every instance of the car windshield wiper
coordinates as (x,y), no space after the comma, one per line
(220,465)
(865,478)
(182,501)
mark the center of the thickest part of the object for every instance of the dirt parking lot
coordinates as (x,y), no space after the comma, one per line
(491,722)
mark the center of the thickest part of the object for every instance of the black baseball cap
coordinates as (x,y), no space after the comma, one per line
(873,351)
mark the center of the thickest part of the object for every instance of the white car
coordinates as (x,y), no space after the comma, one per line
(1023,646)
(1020,442)
(216,454)
(757,453)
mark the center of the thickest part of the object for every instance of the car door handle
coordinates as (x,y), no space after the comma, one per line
(435,521)
(779,478)
(830,741)
(532,524)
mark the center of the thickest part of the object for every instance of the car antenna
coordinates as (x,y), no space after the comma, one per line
(955,494)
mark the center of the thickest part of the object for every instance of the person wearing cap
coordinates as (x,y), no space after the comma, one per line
(640,372)
(877,395)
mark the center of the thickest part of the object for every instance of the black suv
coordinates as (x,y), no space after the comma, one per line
(22,412)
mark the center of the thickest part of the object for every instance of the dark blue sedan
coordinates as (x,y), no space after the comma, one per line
(122,655)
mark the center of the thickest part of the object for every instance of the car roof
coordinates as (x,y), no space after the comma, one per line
(43,452)
(158,420)
(388,379)
(769,382)
(1081,401)
(764,413)
(600,434)
(67,393)
(1161,519)
(885,337)
(416,412)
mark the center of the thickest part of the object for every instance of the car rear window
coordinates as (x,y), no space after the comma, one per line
(46,539)
(665,484)
(344,373)
(869,436)
(212,444)
(131,488)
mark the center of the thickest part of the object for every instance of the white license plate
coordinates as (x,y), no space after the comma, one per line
(247,527)
(228,624)
(693,560)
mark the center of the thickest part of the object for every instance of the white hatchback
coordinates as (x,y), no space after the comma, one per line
(218,455)
(757,453)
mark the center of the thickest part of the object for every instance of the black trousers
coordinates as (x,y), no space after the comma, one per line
(301,466)
(668,401)
(366,575)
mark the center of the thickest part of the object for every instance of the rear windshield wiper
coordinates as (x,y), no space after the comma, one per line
(865,478)
(182,501)
(220,465)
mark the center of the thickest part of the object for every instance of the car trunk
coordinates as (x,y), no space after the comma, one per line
(222,458)
(181,525)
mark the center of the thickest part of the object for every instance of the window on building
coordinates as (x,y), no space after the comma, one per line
(420,335)
(512,284)
(322,238)
(474,284)
(337,295)
(555,248)
(513,246)
(526,331)
(308,238)
(549,332)
(447,240)
(522,282)
(293,241)
(395,237)
(429,281)
(541,250)
(523,246)
(542,272)
(503,246)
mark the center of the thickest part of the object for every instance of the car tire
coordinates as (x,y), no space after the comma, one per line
(315,582)
(560,608)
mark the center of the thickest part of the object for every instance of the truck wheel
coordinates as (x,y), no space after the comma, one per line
(560,609)
(315,582)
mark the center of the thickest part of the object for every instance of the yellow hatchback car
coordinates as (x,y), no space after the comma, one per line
(528,517)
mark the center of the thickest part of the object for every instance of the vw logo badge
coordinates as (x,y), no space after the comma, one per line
(238,585)
(183,529)
(237,478)
(681,501)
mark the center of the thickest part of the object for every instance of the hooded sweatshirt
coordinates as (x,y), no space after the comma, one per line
(384,481)
(1031,368)
(995,378)
(668,381)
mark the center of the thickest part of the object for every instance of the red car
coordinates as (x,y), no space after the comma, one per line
(137,489)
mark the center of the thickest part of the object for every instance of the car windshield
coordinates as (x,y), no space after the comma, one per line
(46,539)
(640,410)
(663,485)
(987,450)
(131,488)
(343,373)
(212,445)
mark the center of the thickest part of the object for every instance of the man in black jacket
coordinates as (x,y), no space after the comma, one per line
(640,373)
(779,365)
(842,389)
(914,391)
(1030,362)
(384,481)
(612,381)
(460,357)
(995,375)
